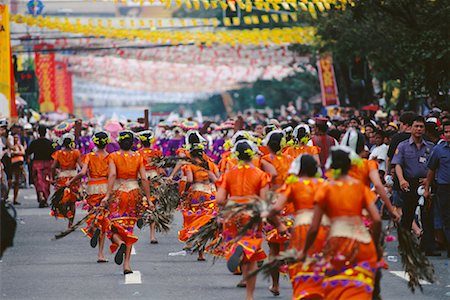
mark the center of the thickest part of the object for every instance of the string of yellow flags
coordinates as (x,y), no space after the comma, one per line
(154,23)
(311,6)
(277,36)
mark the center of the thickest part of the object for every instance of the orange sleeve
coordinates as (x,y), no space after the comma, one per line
(372,165)
(369,196)
(85,159)
(321,196)
(315,150)
(265,180)
(55,155)
(285,189)
(222,182)
(213,167)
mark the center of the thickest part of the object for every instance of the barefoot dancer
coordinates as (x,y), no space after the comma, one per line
(96,166)
(67,160)
(124,198)
(241,182)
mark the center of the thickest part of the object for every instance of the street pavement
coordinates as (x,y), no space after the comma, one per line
(39,268)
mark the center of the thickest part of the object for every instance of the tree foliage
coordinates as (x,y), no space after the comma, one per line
(401,39)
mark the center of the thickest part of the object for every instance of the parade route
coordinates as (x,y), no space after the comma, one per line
(39,268)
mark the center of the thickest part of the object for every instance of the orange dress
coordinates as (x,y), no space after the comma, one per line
(200,205)
(242,181)
(349,250)
(295,151)
(127,200)
(67,160)
(281,164)
(306,280)
(98,167)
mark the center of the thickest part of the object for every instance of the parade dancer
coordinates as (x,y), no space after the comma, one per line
(66,161)
(123,196)
(351,251)
(367,170)
(199,196)
(299,190)
(241,185)
(275,142)
(302,137)
(96,166)
(147,153)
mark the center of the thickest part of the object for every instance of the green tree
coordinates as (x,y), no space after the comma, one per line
(406,40)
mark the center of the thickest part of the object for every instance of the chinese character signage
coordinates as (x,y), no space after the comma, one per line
(327,81)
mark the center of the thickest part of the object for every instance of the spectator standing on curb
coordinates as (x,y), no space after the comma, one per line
(439,169)
(410,161)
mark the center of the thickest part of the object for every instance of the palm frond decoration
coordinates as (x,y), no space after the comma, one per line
(168,195)
(208,232)
(75,226)
(414,261)
(55,200)
(169,161)
(161,219)
(285,257)
(254,208)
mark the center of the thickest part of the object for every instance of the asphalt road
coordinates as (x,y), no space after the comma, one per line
(38,268)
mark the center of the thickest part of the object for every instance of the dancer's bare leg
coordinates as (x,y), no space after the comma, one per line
(248,268)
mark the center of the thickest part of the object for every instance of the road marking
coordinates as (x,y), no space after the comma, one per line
(33,197)
(405,276)
(133,250)
(133,278)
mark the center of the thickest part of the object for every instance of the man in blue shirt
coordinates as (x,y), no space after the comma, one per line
(439,169)
(410,161)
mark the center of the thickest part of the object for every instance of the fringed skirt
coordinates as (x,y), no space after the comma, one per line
(70,195)
(96,191)
(307,278)
(251,242)
(124,211)
(352,256)
(198,209)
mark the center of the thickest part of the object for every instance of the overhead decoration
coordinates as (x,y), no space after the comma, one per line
(311,6)
(276,36)
(153,76)
(157,23)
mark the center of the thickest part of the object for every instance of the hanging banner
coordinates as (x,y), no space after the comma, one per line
(63,88)
(327,81)
(7,98)
(45,71)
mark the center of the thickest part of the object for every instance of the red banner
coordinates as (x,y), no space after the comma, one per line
(327,81)
(63,88)
(45,72)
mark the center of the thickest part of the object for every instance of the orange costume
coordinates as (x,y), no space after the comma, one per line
(361,170)
(148,154)
(98,167)
(300,192)
(200,205)
(228,162)
(67,160)
(281,164)
(349,248)
(242,181)
(295,151)
(150,170)
(125,208)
